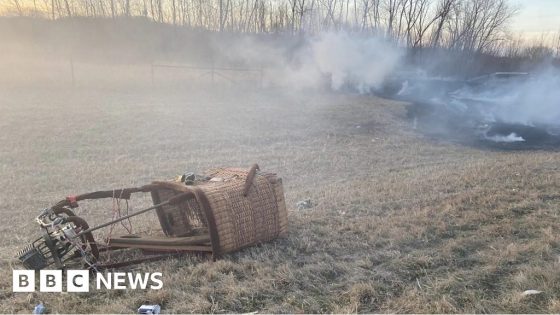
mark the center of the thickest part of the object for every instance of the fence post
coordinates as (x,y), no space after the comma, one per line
(261,76)
(152,73)
(72,71)
(212,73)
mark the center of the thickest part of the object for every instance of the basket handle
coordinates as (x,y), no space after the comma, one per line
(250,178)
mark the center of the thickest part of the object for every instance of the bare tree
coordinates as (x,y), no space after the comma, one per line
(17,5)
(422,25)
(392,12)
(556,45)
(443,11)
(466,25)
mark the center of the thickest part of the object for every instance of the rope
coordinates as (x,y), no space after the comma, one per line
(117,214)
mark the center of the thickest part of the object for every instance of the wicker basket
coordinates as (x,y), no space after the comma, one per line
(237,207)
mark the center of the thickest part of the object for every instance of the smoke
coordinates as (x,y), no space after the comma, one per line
(504,107)
(533,102)
(512,137)
(338,60)
(364,63)
(499,107)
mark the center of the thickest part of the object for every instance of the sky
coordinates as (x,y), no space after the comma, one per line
(536,17)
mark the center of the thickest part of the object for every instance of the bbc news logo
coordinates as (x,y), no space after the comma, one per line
(78,281)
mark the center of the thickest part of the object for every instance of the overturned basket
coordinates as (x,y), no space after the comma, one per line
(226,210)
(237,207)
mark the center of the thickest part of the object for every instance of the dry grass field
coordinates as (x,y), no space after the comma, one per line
(401,222)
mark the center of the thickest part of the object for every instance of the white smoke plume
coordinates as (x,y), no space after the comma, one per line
(535,101)
(362,62)
(512,137)
(338,59)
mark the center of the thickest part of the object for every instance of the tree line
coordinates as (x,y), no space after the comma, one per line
(478,26)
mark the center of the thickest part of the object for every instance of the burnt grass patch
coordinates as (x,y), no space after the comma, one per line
(439,122)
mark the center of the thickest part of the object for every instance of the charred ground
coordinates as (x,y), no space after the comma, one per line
(438,122)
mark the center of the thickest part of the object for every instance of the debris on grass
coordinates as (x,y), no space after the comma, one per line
(149,309)
(531,292)
(39,308)
(304,204)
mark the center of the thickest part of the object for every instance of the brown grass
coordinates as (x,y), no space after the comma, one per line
(402,223)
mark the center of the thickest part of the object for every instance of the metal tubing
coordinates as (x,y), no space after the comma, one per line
(171,201)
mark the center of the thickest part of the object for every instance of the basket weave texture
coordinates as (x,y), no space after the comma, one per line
(237,220)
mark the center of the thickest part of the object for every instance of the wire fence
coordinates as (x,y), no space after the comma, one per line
(72,73)
(212,71)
